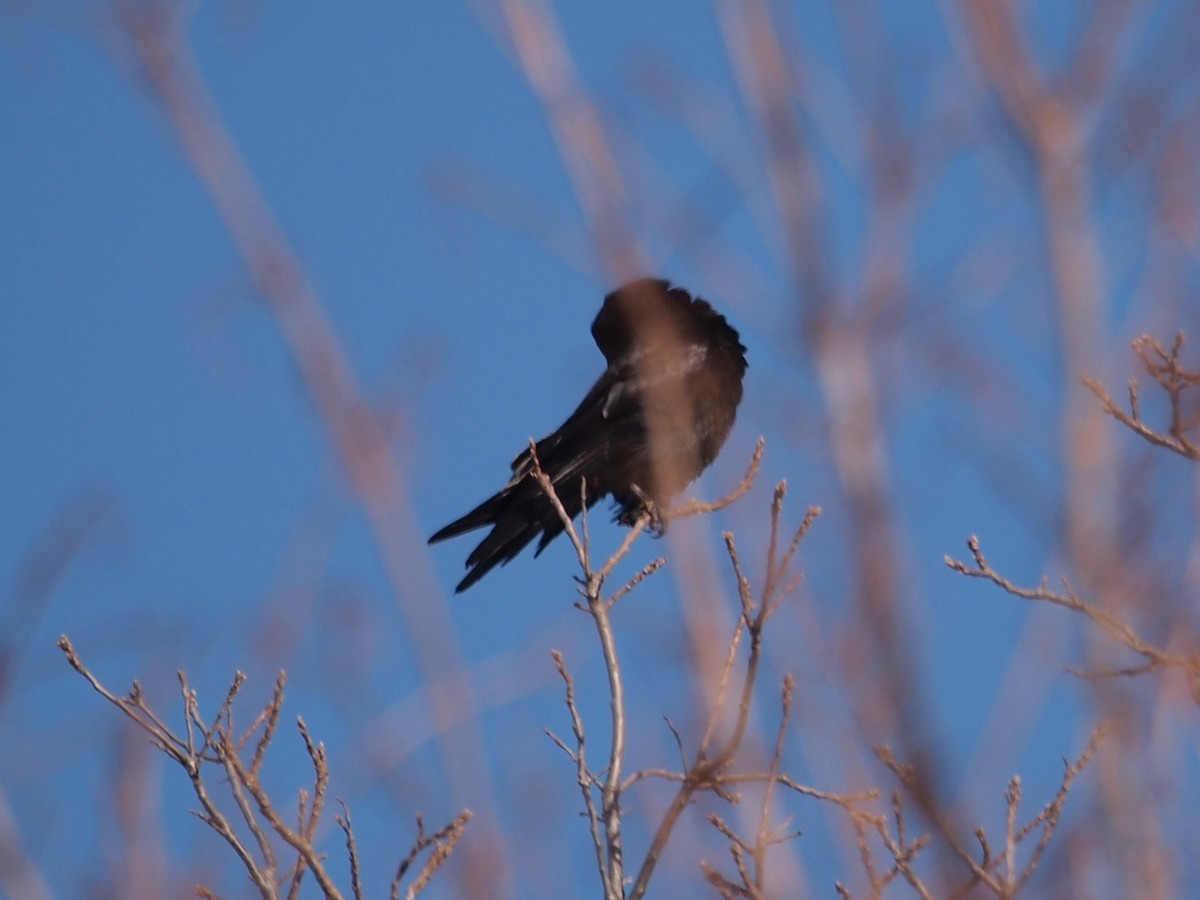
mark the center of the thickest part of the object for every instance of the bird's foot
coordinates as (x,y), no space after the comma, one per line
(657,524)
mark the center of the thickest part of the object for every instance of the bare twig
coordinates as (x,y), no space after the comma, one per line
(1000,873)
(568,523)
(707,769)
(1175,380)
(442,841)
(900,848)
(611,862)
(269,716)
(908,778)
(1156,657)
(217,744)
(584,777)
(750,856)
(649,569)
(351,850)
(1047,820)
(696,507)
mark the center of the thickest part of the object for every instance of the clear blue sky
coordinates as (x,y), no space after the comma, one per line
(144,389)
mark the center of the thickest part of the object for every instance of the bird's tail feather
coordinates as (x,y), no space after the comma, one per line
(518,514)
(484,514)
(508,537)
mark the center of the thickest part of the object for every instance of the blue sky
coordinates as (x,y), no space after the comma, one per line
(147,391)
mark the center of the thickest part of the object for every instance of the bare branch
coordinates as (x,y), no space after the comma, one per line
(584,778)
(1175,380)
(218,745)
(442,842)
(1000,873)
(351,850)
(270,716)
(708,772)
(1156,657)
(696,507)
(650,568)
(1049,817)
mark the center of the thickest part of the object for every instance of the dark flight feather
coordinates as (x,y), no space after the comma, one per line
(648,427)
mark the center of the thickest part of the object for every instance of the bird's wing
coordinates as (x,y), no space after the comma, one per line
(584,443)
(575,457)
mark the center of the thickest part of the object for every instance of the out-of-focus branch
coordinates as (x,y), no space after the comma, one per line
(157,35)
(1055,127)
(838,332)
(579,134)
(18,876)
(1057,120)
(37,576)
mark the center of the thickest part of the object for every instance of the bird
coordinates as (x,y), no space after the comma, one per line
(653,421)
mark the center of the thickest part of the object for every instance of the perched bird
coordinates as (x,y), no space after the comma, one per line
(649,426)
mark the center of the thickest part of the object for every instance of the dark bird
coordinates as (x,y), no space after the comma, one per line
(648,427)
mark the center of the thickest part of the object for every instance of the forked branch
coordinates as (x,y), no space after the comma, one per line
(1155,657)
(1177,382)
(204,746)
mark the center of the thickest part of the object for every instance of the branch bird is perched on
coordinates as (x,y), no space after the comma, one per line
(648,427)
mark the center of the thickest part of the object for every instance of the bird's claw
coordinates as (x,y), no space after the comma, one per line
(657,522)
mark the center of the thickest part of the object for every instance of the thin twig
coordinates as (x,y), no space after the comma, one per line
(696,507)
(1121,632)
(584,777)
(1011,878)
(1175,380)
(707,772)
(351,849)
(548,488)
(443,842)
